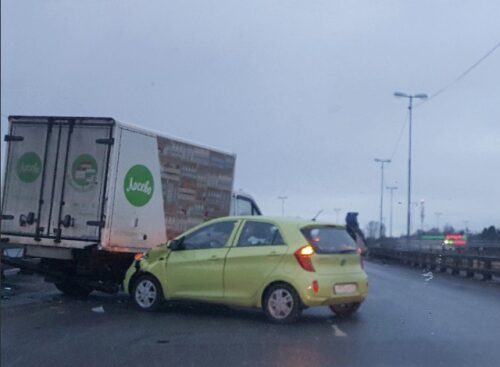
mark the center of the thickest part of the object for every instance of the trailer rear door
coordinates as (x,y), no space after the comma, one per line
(56,178)
(27,143)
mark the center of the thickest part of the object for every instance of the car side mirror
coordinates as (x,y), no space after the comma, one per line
(176,245)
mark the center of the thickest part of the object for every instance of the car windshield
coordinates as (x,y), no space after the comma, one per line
(329,240)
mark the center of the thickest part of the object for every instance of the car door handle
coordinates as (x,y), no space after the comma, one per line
(214,258)
(273,253)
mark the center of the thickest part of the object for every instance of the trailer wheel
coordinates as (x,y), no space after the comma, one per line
(73,289)
(147,293)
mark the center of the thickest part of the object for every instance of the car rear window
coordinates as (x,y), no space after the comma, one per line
(329,240)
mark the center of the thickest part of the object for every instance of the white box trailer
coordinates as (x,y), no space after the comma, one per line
(85,194)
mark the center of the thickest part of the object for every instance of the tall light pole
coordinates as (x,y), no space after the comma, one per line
(282,198)
(422,214)
(410,108)
(382,162)
(391,189)
(337,211)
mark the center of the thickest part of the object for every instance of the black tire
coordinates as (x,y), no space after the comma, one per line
(281,304)
(73,289)
(147,293)
(345,309)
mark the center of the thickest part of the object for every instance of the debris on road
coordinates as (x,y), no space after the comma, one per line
(99,309)
(338,332)
(428,276)
(6,292)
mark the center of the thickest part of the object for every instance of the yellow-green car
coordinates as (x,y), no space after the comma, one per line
(279,265)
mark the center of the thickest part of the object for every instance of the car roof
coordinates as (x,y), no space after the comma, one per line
(299,222)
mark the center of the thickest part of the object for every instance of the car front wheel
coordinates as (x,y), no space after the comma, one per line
(146,293)
(281,304)
(345,309)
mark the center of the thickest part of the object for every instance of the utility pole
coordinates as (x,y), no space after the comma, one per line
(422,214)
(382,162)
(410,108)
(391,189)
(282,198)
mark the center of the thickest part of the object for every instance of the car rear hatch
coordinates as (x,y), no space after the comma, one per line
(335,252)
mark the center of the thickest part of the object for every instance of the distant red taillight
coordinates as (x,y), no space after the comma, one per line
(304,257)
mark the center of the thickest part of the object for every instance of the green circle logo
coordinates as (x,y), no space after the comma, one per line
(138,185)
(84,172)
(29,167)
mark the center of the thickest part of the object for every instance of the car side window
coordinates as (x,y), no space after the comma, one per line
(260,234)
(212,236)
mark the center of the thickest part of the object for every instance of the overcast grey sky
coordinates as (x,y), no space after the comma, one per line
(301,91)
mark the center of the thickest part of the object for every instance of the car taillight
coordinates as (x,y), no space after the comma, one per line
(304,255)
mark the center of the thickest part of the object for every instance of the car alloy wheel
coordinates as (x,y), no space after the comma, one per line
(281,303)
(147,293)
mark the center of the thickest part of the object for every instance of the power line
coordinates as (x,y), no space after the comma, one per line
(443,89)
(461,76)
(396,146)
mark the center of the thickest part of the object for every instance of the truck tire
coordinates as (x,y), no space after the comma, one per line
(73,289)
(147,294)
(345,309)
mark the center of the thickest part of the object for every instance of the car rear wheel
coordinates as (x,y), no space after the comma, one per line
(345,309)
(281,304)
(147,293)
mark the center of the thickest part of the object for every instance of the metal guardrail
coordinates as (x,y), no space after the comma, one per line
(485,244)
(471,264)
(473,246)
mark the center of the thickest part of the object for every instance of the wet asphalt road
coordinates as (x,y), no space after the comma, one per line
(406,321)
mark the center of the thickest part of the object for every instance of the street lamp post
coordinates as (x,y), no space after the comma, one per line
(391,189)
(410,108)
(282,198)
(382,162)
